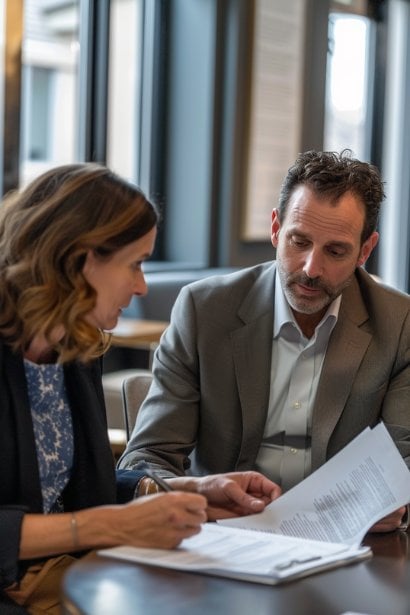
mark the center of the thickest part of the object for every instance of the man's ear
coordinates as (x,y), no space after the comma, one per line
(367,248)
(275,226)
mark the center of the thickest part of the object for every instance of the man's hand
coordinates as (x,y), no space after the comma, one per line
(232,494)
(390,523)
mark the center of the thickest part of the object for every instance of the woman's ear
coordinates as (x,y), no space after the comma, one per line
(89,263)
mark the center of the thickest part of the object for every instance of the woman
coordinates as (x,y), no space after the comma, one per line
(71,249)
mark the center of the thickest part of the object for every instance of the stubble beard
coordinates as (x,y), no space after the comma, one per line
(304,305)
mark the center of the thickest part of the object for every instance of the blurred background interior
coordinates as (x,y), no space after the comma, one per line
(205,104)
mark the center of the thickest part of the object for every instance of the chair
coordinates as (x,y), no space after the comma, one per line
(134,391)
(112,386)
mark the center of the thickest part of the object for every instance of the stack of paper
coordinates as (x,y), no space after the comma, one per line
(319,524)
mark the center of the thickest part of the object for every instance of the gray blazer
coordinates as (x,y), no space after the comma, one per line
(207,406)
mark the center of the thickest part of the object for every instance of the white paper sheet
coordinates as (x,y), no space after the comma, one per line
(244,554)
(339,502)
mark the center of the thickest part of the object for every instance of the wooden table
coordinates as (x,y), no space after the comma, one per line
(134,333)
(138,334)
(379,586)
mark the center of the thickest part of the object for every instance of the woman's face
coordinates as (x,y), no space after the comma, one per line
(117,279)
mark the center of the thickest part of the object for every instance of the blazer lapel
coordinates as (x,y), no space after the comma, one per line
(29,477)
(347,345)
(93,468)
(252,350)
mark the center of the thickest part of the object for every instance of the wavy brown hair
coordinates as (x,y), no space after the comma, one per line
(45,233)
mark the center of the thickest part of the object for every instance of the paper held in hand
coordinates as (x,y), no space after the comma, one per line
(317,525)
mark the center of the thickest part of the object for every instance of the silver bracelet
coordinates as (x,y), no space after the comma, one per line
(74,531)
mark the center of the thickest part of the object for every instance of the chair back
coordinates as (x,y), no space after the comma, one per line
(134,391)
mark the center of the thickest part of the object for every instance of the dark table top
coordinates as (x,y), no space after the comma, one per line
(379,586)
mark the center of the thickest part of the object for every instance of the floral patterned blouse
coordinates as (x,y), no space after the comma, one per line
(53,430)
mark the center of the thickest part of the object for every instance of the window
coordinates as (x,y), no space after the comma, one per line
(36,111)
(49,86)
(348,86)
(124,82)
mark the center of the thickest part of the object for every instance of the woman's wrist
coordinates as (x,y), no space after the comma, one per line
(42,535)
(100,527)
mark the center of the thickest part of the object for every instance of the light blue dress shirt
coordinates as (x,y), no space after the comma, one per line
(285,452)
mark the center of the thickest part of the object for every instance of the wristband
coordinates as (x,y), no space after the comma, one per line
(147,486)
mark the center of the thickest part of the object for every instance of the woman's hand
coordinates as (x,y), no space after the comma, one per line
(389,523)
(162,520)
(232,494)
(156,521)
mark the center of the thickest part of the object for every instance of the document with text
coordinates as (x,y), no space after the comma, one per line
(340,501)
(317,525)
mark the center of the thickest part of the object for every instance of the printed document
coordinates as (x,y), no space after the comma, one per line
(340,502)
(317,525)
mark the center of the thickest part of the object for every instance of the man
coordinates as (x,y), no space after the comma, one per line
(277,367)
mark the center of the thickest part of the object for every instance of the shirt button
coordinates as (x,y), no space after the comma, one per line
(297,405)
(294,451)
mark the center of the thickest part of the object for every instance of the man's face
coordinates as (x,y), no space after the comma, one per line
(318,249)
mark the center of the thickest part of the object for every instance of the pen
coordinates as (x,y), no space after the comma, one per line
(165,486)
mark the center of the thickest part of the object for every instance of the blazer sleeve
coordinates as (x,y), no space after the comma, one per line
(396,405)
(127,483)
(166,428)
(10,530)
